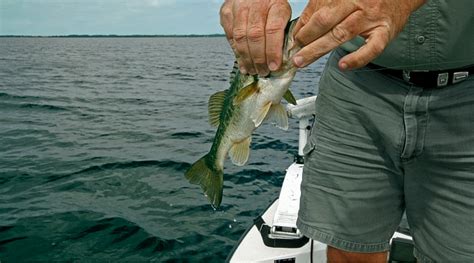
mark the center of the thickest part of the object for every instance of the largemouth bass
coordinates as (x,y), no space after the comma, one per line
(237,112)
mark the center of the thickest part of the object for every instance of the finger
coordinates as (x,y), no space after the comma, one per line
(278,17)
(374,46)
(226,19)
(322,21)
(239,34)
(341,33)
(304,17)
(256,39)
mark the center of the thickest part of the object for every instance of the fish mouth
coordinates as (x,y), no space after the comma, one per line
(290,48)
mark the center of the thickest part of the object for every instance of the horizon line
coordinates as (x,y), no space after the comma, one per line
(120,35)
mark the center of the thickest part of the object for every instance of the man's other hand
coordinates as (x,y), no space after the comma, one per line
(326,24)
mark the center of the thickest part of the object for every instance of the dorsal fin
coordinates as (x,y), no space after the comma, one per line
(216,102)
(234,72)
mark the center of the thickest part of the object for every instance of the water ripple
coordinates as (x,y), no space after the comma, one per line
(178,166)
(94,141)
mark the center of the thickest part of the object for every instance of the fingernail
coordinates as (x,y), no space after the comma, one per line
(343,66)
(273,66)
(298,61)
(243,71)
(263,74)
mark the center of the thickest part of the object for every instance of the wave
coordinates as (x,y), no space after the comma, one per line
(177,166)
(43,107)
(123,230)
(180,76)
(157,244)
(28,105)
(11,96)
(250,175)
(6,241)
(95,228)
(5,228)
(184,135)
(273,144)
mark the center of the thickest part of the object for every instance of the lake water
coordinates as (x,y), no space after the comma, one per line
(95,136)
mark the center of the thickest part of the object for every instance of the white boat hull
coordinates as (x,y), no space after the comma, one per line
(251,247)
(274,236)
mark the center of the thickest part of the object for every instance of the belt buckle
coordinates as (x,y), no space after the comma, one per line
(443,79)
(406,75)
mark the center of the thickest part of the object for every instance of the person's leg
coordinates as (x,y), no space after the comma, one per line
(352,189)
(439,174)
(335,255)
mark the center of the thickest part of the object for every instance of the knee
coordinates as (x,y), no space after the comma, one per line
(335,255)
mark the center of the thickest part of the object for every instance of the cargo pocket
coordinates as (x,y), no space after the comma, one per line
(310,143)
(308,148)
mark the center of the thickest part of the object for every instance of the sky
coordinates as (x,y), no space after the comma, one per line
(122,17)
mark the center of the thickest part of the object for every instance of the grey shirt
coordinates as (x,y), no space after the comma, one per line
(439,35)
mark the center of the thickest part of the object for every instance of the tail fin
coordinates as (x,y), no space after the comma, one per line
(209,178)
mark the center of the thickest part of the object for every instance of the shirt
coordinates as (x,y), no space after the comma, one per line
(438,36)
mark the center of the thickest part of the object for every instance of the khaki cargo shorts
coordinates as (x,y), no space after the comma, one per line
(380,147)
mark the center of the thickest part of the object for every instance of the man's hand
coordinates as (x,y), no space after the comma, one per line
(326,24)
(255,30)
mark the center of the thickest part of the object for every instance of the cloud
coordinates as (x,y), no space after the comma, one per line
(62,17)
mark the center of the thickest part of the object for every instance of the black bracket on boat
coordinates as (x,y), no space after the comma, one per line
(264,230)
(299,159)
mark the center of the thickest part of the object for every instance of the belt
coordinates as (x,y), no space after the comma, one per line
(428,79)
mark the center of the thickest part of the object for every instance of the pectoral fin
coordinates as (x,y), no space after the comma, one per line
(261,114)
(216,102)
(288,96)
(278,116)
(246,92)
(239,152)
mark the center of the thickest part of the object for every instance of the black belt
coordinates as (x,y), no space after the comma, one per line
(428,79)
